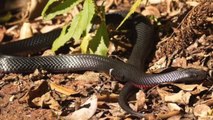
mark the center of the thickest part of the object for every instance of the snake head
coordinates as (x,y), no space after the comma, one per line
(192,74)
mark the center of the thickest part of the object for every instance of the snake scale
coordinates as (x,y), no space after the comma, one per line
(133,72)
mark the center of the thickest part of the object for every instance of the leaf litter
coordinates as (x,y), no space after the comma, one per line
(44,95)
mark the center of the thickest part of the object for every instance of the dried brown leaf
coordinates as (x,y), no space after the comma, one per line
(167,115)
(40,88)
(208,102)
(192,3)
(163,93)
(115,109)
(46,100)
(176,117)
(199,89)
(161,63)
(186,87)
(2,32)
(46,29)
(179,62)
(201,110)
(61,89)
(140,99)
(192,47)
(173,107)
(86,111)
(180,97)
(88,77)
(26,31)
(156,1)
(151,10)
(108,97)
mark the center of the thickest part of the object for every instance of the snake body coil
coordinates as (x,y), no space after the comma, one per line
(133,71)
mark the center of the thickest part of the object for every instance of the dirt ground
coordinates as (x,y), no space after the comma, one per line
(185,41)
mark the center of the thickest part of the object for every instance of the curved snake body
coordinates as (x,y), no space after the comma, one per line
(133,71)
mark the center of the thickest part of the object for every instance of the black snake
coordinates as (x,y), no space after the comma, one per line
(132,72)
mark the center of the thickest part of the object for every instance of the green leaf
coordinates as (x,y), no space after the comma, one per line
(57,43)
(79,24)
(44,14)
(102,47)
(6,17)
(85,43)
(132,10)
(57,7)
(99,44)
